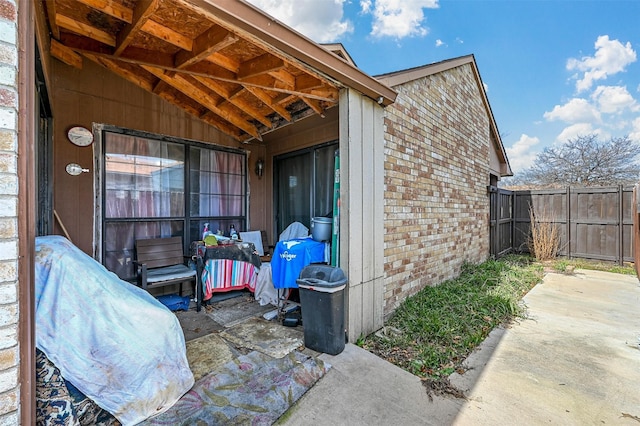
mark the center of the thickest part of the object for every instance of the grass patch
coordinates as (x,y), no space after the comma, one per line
(435,330)
(562,264)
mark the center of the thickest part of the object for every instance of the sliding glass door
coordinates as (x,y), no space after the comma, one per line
(304,185)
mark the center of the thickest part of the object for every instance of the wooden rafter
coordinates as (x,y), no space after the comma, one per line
(314,105)
(167,34)
(66,55)
(243,105)
(284,77)
(85,30)
(188,88)
(52,13)
(111,8)
(143,11)
(224,61)
(208,43)
(268,101)
(261,65)
(162,61)
(193,59)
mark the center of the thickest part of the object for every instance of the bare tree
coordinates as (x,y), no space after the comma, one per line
(586,161)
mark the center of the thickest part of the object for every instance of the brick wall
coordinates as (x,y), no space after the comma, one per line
(436,175)
(9,348)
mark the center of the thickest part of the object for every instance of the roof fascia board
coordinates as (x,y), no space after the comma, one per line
(256,23)
(401,77)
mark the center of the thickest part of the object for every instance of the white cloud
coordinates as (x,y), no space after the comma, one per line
(365,6)
(522,154)
(611,57)
(397,18)
(574,111)
(486,87)
(321,21)
(440,43)
(614,99)
(576,130)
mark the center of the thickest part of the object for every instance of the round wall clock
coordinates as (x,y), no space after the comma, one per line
(80,136)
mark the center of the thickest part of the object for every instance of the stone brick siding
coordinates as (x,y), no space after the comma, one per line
(9,348)
(436,175)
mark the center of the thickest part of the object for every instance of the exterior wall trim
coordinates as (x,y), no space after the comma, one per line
(26,211)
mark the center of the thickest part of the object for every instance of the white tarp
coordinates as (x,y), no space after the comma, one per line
(114,341)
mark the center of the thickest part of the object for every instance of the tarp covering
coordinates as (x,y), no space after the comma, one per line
(114,341)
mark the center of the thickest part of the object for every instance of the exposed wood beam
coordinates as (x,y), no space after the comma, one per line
(66,55)
(206,68)
(133,55)
(284,99)
(167,34)
(81,44)
(207,43)
(263,64)
(142,12)
(85,30)
(142,57)
(51,14)
(111,8)
(123,72)
(268,101)
(194,92)
(307,82)
(237,91)
(224,61)
(239,102)
(209,9)
(285,77)
(314,105)
(324,92)
(138,56)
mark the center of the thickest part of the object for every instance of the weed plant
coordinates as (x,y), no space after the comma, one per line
(441,325)
(544,241)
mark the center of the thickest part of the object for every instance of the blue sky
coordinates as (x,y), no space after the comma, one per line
(553,70)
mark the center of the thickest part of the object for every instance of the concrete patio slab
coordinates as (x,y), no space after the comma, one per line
(574,360)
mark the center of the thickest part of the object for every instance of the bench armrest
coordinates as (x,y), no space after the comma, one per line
(141,272)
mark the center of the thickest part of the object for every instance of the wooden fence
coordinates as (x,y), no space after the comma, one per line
(594,223)
(635,205)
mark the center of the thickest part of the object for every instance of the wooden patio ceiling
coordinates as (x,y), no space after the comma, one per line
(190,57)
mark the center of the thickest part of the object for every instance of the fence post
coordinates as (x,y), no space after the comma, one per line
(620,248)
(568,221)
(493,222)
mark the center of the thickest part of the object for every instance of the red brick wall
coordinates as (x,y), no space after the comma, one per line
(436,175)
(10,351)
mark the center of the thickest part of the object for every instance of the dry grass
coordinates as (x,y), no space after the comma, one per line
(544,241)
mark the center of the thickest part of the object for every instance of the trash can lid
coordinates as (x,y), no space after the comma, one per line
(328,273)
(320,285)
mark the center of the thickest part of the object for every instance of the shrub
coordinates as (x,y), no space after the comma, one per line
(544,240)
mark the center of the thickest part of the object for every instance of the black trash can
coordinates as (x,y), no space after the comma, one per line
(322,301)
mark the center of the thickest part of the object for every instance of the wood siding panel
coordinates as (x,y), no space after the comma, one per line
(362,199)
(95,95)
